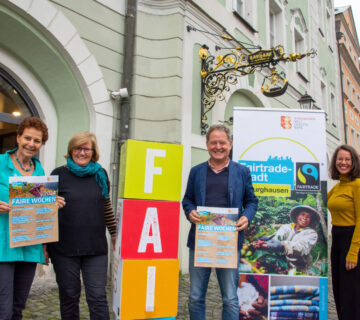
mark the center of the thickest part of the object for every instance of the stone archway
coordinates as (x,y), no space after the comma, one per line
(40,37)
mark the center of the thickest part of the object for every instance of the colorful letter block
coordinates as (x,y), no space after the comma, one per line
(145,289)
(150,170)
(145,265)
(149,229)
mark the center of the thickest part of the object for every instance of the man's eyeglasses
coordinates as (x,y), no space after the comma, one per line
(86,150)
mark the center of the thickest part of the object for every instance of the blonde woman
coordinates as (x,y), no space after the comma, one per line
(82,245)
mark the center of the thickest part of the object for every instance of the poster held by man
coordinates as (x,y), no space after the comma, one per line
(216,238)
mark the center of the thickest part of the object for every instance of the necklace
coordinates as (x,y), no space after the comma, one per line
(21,165)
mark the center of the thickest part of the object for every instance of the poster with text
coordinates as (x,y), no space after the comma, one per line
(216,238)
(33,218)
(285,151)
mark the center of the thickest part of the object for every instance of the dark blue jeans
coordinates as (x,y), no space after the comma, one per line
(94,274)
(199,279)
(15,283)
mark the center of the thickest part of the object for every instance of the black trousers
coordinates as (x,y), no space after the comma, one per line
(15,283)
(346,284)
(94,274)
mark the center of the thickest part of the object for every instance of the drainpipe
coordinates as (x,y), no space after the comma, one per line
(339,35)
(123,112)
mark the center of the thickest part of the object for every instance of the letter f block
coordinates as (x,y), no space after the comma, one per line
(150,170)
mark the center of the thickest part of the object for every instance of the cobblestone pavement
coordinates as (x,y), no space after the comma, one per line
(43,302)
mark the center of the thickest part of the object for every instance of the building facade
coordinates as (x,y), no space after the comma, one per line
(349,54)
(61,60)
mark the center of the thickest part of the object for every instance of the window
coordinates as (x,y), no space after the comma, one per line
(353,137)
(320,17)
(247,10)
(348,88)
(239,7)
(323,97)
(276,25)
(300,48)
(329,25)
(333,110)
(353,98)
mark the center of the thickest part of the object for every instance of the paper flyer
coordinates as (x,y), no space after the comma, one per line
(33,218)
(216,238)
(285,151)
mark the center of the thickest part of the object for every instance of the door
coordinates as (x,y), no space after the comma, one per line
(15,105)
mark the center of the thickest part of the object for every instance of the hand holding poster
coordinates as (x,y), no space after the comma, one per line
(33,218)
(216,238)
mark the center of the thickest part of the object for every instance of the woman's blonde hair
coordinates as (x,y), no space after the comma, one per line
(80,138)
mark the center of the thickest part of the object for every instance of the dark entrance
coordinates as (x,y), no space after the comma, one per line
(15,105)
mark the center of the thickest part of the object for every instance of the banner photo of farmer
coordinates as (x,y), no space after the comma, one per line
(296,239)
(289,241)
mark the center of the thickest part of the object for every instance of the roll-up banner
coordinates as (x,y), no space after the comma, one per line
(283,267)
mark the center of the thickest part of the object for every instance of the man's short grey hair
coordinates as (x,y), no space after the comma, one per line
(219,127)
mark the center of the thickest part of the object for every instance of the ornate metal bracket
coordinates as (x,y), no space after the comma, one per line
(218,73)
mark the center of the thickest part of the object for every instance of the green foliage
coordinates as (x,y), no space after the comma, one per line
(310,200)
(324,269)
(319,251)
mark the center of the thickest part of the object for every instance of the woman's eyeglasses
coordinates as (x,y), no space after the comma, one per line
(347,160)
(86,150)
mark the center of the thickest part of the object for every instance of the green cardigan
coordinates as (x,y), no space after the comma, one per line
(32,253)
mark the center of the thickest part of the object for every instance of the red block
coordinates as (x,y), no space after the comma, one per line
(149,229)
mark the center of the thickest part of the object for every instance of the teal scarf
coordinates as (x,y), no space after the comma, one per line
(93,168)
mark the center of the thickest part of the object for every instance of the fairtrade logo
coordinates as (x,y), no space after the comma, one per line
(307,170)
(307,176)
(285,122)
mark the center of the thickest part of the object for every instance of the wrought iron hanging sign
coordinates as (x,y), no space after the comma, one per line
(220,72)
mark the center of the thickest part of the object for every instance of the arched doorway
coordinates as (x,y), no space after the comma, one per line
(15,105)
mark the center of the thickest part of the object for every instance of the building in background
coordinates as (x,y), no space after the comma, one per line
(349,54)
(61,60)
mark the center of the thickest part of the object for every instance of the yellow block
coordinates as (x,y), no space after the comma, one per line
(149,289)
(150,170)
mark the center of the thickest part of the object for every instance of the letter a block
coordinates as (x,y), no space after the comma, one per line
(149,229)
(150,170)
(146,289)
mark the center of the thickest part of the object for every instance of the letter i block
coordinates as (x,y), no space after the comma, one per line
(149,229)
(150,170)
(146,289)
